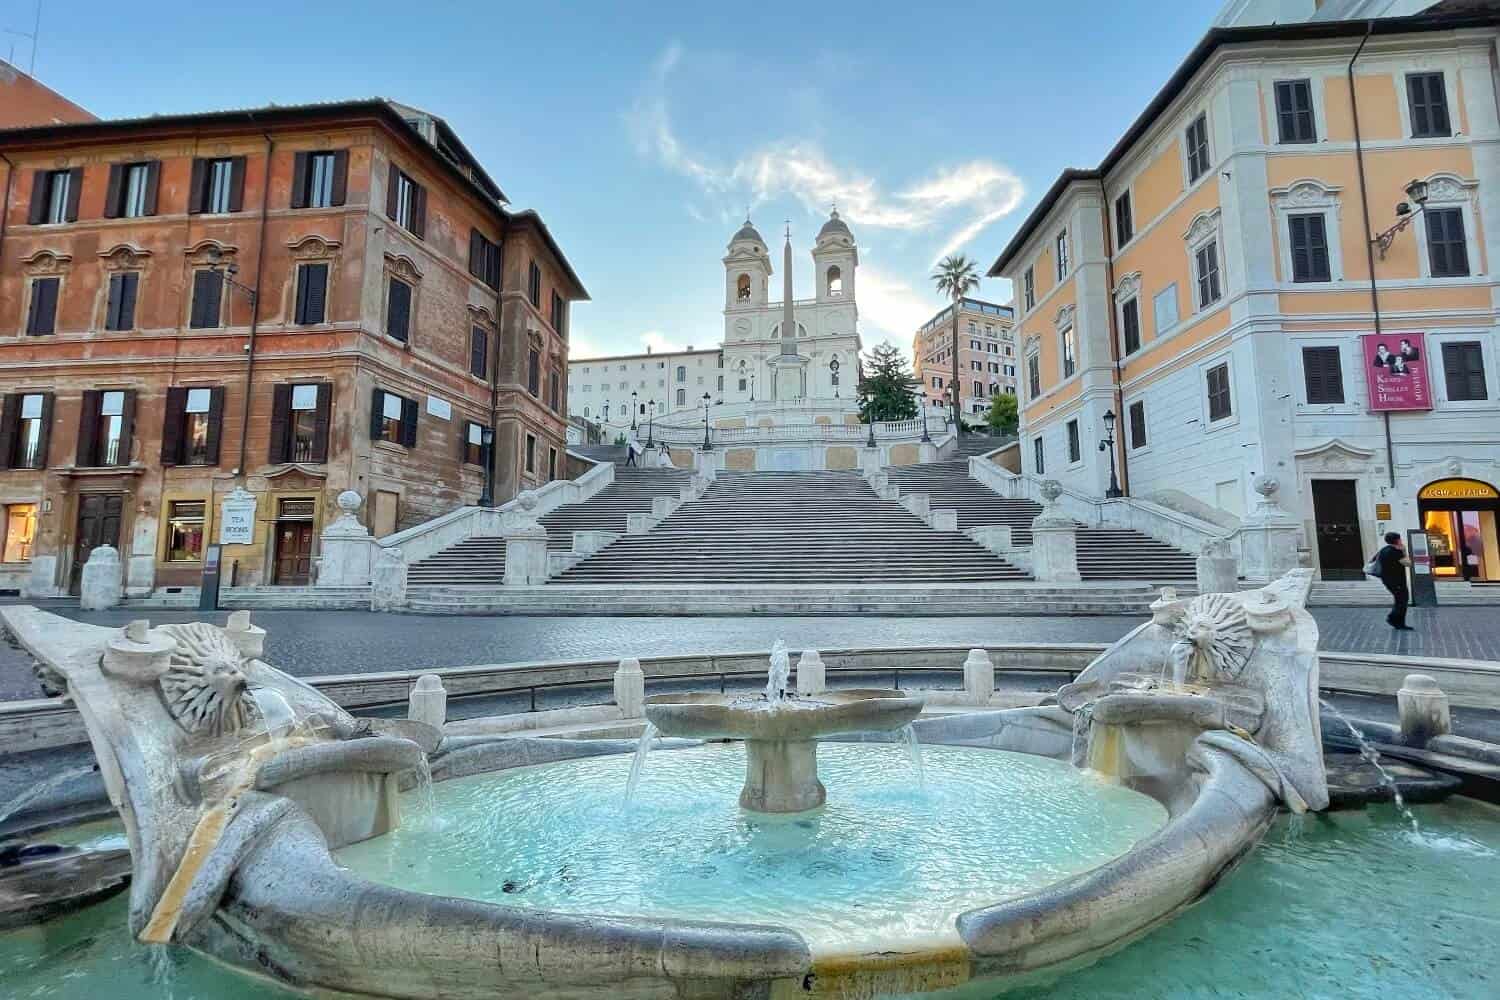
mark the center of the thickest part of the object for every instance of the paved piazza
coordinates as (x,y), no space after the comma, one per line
(309,643)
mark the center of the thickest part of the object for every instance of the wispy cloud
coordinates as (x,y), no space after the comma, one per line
(891,308)
(959,201)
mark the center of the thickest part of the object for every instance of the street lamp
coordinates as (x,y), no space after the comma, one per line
(752,387)
(926,437)
(1108,444)
(650,421)
(951,403)
(707,444)
(487,449)
(1415,190)
(632,411)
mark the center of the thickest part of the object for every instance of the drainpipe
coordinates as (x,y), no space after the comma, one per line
(489,459)
(1364,201)
(10,176)
(1114,345)
(260,264)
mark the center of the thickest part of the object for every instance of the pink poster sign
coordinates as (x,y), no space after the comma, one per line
(1396,371)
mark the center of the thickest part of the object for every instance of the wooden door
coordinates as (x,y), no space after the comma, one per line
(1341,551)
(294,541)
(98,524)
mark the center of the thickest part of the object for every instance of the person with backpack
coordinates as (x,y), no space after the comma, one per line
(1389,565)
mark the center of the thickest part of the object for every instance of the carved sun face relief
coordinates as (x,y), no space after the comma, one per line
(204,688)
(1212,639)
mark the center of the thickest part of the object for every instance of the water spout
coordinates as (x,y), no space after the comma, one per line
(780,673)
(1083,732)
(914,751)
(1372,757)
(648,735)
(277,715)
(42,788)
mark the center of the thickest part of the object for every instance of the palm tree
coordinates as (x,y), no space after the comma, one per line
(955,277)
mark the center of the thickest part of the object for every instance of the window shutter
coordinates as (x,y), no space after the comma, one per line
(153,182)
(419,211)
(195,188)
(1298,225)
(127,426)
(392,184)
(299,180)
(1317,248)
(1286,117)
(75,190)
(479,353)
(476,254)
(409,423)
(320,422)
(112,192)
(340,177)
(281,412)
(42,318)
(171,428)
(10,416)
(112,306)
(237,183)
(377,414)
(129,283)
(215,422)
(317,293)
(463,440)
(44,440)
(38,209)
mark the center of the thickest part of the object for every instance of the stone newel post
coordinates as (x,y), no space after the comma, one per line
(1268,536)
(1218,572)
(347,547)
(525,545)
(1054,540)
(428,702)
(630,688)
(979,676)
(812,676)
(103,579)
(388,581)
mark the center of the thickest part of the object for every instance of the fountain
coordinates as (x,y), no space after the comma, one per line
(780,730)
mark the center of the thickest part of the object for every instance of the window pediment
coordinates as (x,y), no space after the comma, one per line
(124,256)
(1064,317)
(313,247)
(403,267)
(1204,226)
(206,252)
(1308,192)
(45,262)
(1128,286)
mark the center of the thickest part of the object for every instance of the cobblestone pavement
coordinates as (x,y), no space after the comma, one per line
(309,643)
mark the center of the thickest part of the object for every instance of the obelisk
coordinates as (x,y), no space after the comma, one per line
(788,366)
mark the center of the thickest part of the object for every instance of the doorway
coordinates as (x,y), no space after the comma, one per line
(1336,517)
(293,553)
(98,524)
(1460,517)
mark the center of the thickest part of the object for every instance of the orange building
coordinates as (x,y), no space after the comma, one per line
(986,356)
(287,303)
(25,100)
(1218,282)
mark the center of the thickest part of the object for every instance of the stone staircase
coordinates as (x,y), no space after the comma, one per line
(791,527)
(978,444)
(1103,553)
(481,561)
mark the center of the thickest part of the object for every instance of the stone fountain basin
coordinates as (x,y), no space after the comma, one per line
(739,717)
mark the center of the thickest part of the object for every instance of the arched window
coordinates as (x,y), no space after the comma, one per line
(835,281)
(585,412)
(682,373)
(681,397)
(742,288)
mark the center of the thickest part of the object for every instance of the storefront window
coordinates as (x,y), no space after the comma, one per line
(20,532)
(185,531)
(1460,517)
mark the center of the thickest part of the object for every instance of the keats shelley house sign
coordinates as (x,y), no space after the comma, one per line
(1396,371)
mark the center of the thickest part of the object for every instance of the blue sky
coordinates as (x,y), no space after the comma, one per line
(642,131)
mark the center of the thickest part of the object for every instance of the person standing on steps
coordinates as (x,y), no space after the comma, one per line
(632,446)
(1390,564)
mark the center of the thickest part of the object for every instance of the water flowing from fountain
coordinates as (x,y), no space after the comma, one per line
(426,800)
(41,788)
(914,753)
(638,765)
(1083,731)
(1372,757)
(780,673)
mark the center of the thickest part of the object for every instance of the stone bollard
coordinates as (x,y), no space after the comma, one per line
(812,676)
(103,579)
(388,581)
(979,677)
(137,654)
(428,702)
(630,688)
(1217,570)
(526,561)
(1054,540)
(1423,710)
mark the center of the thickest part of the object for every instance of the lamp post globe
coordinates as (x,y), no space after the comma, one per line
(1108,444)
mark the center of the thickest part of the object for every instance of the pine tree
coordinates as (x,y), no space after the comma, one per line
(886,393)
(1002,416)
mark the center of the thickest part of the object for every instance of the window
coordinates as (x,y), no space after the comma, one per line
(534,285)
(1206,260)
(1137,417)
(1164,309)
(299,423)
(1034,375)
(742,385)
(1427,100)
(534,373)
(1294,111)
(119,311)
(1062,255)
(208,293)
(1130,327)
(406,202)
(978,389)
(835,280)
(1219,407)
(974,345)
(1028,282)
(479,352)
(553,395)
(551,464)
(473,442)
(320,180)
(185,530)
(25,420)
(41,317)
(1322,374)
(531,453)
(132,190)
(560,315)
(104,427)
(1309,239)
(1447,253)
(977,366)
(1075,448)
(682,373)
(1038,456)
(1463,371)
(393,418)
(190,433)
(1069,352)
(681,397)
(742,288)
(721,381)
(312,294)
(484,259)
(54,196)
(20,532)
(1124,221)
(218,186)
(398,311)
(1196,143)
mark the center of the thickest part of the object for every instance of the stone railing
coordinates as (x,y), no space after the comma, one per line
(779,433)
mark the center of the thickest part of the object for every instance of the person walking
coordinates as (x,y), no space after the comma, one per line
(1390,564)
(631,447)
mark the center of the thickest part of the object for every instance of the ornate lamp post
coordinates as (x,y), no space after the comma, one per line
(1108,444)
(707,444)
(926,437)
(487,449)
(650,422)
(951,404)
(1417,192)
(752,387)
(633,407)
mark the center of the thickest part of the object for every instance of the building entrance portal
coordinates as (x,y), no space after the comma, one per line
(1336,514)
(98,524)
(1460,517)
